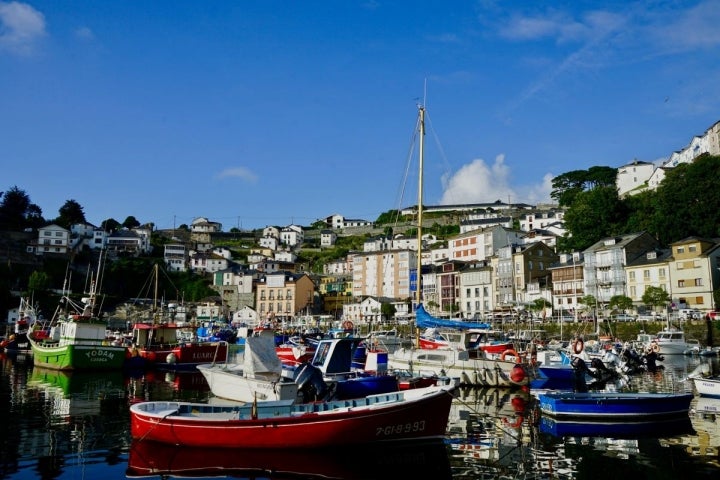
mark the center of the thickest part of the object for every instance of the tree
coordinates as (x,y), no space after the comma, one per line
(621,302)
(110,225)
(388,310)
(16,210)
(71,213)
(131,222)
(594,214)
(568,185)
(687,201)
(38,282)
(655,296)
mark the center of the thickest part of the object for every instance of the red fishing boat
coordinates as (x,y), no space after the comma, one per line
(406,415)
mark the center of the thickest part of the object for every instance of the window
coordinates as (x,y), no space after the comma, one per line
(680,249)
(692,248)
(681,283)
(646,275)
(631,274)
(698,282)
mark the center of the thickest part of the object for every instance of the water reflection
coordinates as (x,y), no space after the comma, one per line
(77,426)
(404,460)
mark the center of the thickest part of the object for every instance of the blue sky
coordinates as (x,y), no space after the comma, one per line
(256,113)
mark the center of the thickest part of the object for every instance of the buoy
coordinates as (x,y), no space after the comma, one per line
(517,374)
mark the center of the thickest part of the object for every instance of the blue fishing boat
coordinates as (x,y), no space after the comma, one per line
(614,405)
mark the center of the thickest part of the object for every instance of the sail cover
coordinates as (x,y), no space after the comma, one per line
(424,320)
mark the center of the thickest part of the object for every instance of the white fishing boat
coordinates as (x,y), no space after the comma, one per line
(672,341)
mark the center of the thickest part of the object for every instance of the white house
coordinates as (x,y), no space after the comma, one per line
(269,242)
(327,238)
(176,257)
(207,262)
(633,176)
(292,235)
(203,225)
(52,239)
(270,231)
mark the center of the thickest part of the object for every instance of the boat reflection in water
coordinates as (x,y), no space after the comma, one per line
(73,394)
(391,461)
(621,429)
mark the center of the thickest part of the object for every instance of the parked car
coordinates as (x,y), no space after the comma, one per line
(622,317)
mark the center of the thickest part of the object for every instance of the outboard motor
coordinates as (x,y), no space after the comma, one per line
(310,382)
(580,368)
(651,359)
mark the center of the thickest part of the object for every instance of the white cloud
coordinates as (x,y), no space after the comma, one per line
(238,172)
(477,182)
(21,26)
(84,33)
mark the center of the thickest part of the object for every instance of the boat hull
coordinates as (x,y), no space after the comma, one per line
(78,357)
(481,372)
(185,356)
(422,414)
(707,387)
(614,405)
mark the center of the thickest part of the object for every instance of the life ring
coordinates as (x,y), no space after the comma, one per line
(347,325)
(578,346)
(516,424)
(510,352)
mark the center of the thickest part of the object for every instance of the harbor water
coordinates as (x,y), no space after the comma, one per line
(62,426)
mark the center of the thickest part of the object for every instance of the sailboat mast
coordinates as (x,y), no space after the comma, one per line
(421,151)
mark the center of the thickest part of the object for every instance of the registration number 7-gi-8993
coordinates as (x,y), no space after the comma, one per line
(388,430)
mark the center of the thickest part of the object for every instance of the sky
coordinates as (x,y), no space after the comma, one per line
(254,113)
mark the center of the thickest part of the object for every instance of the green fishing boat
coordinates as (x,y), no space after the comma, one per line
(76,341)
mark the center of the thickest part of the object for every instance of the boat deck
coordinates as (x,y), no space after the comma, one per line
(263,410)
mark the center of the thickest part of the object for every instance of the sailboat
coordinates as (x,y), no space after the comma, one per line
(77,341)
(505,370)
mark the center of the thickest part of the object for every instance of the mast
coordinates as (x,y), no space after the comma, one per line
(421,121)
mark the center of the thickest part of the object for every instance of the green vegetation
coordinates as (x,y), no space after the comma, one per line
(684,205)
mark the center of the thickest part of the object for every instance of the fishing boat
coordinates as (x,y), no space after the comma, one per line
(505,370)
(77,341)
(259,377)
(296,350)
(672,341)
(17,339)
(414,459)
(614,405)
(165,344)
(404,415)
(330,374)
(707,386)
(469,338)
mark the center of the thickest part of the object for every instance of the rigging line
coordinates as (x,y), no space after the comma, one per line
(408,163)
(446,164)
